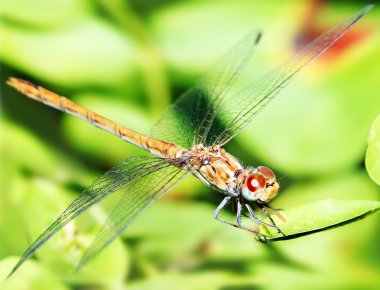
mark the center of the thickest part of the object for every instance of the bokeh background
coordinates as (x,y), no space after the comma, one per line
(128,60)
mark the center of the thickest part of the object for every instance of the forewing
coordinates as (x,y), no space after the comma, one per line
(239,110)
(131,171)
(188,120)
(138,195)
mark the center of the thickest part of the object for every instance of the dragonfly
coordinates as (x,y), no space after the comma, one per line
(188,139)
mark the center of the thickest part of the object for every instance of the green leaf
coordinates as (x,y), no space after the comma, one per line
(319,216)
(372,159)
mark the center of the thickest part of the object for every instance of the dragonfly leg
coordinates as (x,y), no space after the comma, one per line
(261,237)
(256,219)
(239,225)
(238,214)
(273,208)
(262,207)
(219,209)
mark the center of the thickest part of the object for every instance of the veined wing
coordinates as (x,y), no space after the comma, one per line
(208,113)
(187,121)
(239,110)
(139,195)
(133,171)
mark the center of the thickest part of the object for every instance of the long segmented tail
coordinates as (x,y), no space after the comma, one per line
(156,147)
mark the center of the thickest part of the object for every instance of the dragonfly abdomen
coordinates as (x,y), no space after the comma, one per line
(156,147)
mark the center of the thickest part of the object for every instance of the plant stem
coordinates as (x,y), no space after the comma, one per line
(150,60)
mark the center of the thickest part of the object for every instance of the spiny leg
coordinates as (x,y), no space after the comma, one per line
(238,214)
(261,237)
(262,207)
(219,209)
(256,219)
(272,208)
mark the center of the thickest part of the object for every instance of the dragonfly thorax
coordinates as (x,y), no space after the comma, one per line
(219,169)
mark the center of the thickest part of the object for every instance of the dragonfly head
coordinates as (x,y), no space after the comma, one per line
(260,185)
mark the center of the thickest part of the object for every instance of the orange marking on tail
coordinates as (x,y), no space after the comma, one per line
(154,146)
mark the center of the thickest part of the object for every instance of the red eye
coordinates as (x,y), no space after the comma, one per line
(266,172)
(256,182)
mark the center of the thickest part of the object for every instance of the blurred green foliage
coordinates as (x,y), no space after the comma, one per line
(125,59)
(372,158)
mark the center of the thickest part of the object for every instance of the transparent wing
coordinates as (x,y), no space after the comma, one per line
(209,114)
(131,171)
(139,195)
(238,110)
(188,120)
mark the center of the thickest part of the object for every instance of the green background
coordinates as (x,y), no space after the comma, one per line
(129,60)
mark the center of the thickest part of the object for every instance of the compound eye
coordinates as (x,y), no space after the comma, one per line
(268,174)
(256,182)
